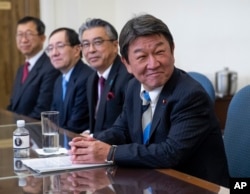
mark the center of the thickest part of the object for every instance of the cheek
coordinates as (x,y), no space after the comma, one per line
(137,71)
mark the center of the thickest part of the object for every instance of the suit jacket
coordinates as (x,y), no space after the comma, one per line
(185,134)
(74,109)
(35,94)
(112,100)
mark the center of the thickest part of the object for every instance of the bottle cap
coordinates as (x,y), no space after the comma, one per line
(20,123)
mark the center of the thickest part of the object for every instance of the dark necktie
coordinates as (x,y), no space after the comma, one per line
(102,84)
(146,116)
(25,71)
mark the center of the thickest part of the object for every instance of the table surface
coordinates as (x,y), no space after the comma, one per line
(105,180)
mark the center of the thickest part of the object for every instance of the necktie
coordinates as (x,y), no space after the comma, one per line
(25,71)
(146,116)
(64,87)
(102,84)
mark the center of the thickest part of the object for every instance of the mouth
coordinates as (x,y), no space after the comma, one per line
(155,74)
(25,47)
(56,60)
(93,59)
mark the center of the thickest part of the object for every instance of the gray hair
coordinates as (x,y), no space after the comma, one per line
(91,23)
(143,25)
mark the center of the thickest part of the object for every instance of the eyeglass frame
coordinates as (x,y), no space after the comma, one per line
(97,42)
(59,47)
(28,35)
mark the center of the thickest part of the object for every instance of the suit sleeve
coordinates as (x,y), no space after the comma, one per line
(79,117)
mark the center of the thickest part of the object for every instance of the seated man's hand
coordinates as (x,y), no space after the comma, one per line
(88,150)
(85,180)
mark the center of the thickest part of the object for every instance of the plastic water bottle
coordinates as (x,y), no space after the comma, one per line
(21,141)
(21,171)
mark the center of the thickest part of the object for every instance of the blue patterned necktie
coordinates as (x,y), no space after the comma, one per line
(66,141)
(64,87)
(146,116)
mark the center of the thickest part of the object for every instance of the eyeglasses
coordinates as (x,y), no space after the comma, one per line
(28,35)
(96,43)
(59,47)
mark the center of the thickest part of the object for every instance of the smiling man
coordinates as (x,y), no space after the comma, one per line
(33,85)
(107,86)
(168,120)
(70,97)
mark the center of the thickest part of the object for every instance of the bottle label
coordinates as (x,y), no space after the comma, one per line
(21,141)
(18,165)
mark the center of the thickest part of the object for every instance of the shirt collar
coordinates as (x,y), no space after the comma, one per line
(32,61)
(105,73)
(68,74)
(154,94)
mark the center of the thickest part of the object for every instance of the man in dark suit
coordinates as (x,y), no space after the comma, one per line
(100,49)
(65,54)
(184,133)
(33,85)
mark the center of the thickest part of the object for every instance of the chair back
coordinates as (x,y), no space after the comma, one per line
(205,82)
(237,134)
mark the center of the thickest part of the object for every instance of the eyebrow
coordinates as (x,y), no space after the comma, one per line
(59,42)
(141,50)
(93,38)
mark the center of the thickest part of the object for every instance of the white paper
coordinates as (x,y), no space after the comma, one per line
(59,152)
(43,165)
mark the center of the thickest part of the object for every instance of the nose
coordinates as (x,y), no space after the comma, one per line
(152,62)
(23,38)
(54,51)
(91,47)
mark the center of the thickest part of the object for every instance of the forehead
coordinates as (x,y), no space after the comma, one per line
(27,26)
(58,37)
(144,43)
(95,32)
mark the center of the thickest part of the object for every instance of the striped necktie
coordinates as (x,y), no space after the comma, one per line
(146,116)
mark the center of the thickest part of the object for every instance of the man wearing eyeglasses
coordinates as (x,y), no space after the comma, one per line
(33,85)
(69,97)
(106,87)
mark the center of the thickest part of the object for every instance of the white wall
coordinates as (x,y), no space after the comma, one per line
(209,34)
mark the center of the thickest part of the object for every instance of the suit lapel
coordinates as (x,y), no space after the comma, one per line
(92,95)
(18,88)
(136,115)
(70,88)
(59,100)
(32,75)
(35,70)
(163,101)
(110,82)
(159,111)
